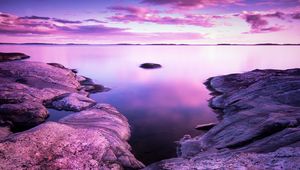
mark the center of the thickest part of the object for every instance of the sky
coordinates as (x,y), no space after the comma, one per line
(150,21)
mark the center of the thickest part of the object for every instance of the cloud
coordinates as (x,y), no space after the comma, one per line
(128,14)
(130,9)
(296,15)
(66,21)
(277,14)
(48,18)
(91,29)
(4,15)
(192,3)
(36,25)
(172,36)
(259,24)
(276,3)
(34,17)
(54,30)
(94,20)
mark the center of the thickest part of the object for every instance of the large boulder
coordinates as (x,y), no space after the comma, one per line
(25,87)
(259,124)
(95,138)
(91,139)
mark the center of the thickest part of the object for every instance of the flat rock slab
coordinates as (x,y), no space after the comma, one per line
(259,126)
(91,139)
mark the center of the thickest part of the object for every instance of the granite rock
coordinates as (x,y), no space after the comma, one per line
(92,139)
(259,128)
(72,102)
(95,138)
(25,87)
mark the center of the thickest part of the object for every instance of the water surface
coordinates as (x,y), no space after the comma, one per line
(162,104)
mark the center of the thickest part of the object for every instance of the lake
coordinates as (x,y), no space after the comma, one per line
(162,104)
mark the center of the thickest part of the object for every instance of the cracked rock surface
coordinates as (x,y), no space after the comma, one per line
(93,138)
(259,124)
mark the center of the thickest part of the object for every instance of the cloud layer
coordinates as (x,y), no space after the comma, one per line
(128,14)
(35,25)
(192,3)
(159,20)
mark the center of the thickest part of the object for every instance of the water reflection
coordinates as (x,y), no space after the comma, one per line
(164,104)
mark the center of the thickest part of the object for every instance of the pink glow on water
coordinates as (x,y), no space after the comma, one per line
(166,102)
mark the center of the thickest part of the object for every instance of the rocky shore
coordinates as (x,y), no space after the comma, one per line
(259,128)
(95,137)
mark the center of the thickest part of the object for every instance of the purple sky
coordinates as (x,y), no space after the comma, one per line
(150,21)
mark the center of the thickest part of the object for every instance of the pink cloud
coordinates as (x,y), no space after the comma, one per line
(259,24)
(143,15)
(36,25)
(277,14)
(172,36)
(192,3)
(35,28)
(296,15)
(131,9)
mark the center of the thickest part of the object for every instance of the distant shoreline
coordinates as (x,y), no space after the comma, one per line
(128,44)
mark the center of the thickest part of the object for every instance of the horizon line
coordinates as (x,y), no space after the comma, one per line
(174,44)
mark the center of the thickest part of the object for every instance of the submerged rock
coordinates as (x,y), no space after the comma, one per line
(150,65)
(259,126)
(91,139)
(12,56)
(90,86)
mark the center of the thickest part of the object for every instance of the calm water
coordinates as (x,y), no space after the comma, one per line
(163,104)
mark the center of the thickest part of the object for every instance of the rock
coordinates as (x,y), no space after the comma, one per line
(95,138)
(284,158)
(91,139)
(62,67)
(89,86)
(205,126)
(150,65)
(12,56)
(259,126)
(23,115)
(4,131)
(72,102)
(57,65)
(25,87)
